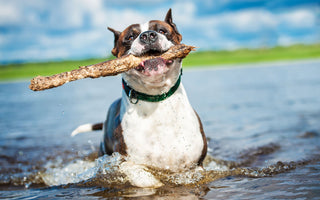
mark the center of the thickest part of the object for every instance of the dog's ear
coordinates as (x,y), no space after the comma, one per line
(168,20)
(116,33)
(116,38)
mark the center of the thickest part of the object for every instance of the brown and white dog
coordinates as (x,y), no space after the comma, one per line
(153,124)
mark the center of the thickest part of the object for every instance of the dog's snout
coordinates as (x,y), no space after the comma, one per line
(148,37)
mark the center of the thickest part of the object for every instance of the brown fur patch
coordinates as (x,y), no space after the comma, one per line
(170,32)
(205,145)
(113,137)
(120,146)
(125,39)
(98,126)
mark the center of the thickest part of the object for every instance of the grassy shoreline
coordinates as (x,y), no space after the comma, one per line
(201,58)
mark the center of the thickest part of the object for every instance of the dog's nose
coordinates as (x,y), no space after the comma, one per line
(148,37)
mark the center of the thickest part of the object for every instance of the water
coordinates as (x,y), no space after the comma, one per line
(262,124)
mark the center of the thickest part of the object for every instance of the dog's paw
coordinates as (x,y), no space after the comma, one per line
(138,176)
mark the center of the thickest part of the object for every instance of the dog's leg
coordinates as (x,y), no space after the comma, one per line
(87,128)
(138,175)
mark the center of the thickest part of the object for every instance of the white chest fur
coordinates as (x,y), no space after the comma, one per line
(165,134)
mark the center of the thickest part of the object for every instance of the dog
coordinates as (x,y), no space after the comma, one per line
(153,123)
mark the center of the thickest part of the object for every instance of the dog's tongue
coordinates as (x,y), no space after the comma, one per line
(153,66)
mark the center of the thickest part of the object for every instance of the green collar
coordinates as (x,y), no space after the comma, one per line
(135,96)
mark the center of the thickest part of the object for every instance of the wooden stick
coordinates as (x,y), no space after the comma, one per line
(107,68)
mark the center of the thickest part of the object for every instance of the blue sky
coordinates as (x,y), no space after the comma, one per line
(39,30)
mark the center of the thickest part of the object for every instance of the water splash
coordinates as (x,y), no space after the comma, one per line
(71,173)
(117,171)
(80,170)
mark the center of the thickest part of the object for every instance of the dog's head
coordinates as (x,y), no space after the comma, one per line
(155,37)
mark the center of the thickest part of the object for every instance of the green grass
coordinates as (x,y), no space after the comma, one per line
(209,58)
(200,58)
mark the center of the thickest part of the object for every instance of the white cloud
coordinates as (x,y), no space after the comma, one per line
(9,14)
(184,13)
(299,18)
(94,10)
(88,44)
(58,14)
(119,20)
(33,53)
(58,29)
(242,21)
(227,30)
(248,20)
(74,13)
(286,40)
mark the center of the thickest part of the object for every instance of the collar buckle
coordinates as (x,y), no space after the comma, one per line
(133,97)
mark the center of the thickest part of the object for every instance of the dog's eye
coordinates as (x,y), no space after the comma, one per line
(130,37)
(162,31)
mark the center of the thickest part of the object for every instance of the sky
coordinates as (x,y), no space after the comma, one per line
(42,30)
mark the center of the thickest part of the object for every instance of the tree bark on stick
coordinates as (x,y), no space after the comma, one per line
(107,68)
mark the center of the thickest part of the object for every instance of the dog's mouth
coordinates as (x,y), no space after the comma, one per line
(153,52)
(154,66)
